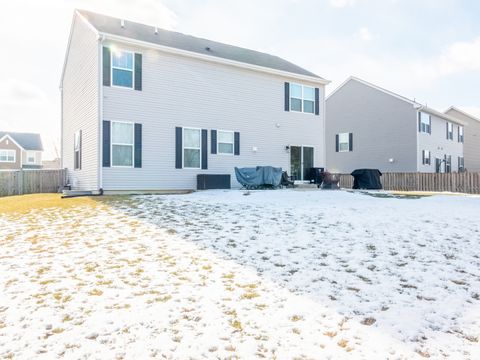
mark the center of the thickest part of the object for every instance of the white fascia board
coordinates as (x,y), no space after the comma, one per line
(214,59)
(441,115)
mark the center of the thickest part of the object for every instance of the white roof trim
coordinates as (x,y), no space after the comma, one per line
(13,140)
(372,86)
(214,59)
(461,112)
(442,115)
(75,15)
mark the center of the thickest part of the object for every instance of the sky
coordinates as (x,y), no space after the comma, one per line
(428,50)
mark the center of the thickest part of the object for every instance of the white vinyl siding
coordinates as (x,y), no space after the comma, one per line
(7,155)
(122,144)
(192,142)
(225,142)
(302,98)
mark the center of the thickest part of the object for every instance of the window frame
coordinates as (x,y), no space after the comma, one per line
(79,150)
(220,142)
(340,142)
(191,148)
(27,152)
(461,168)
(423,125)
(7,156)
(302,99)
(427,159)
(461,134)
(112,52)
(448,161)
(122,144)
(449,133)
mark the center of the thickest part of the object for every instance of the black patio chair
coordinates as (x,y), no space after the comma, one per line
(286,180)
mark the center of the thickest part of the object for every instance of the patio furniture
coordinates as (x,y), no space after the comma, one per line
(330,181)
(260,177)
(286,180)
(368,179)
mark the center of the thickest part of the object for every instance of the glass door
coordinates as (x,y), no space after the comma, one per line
(307,161)
(296,162)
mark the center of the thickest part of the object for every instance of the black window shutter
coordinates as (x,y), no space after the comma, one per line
(138,145)
(106,66)
(350,142)
(419,122)
(106,143)
(458,133)
(423,157)
(236,143)
(204,149)
(287,96)
(178,147)
(213,136)
(337,143)
(430,124)
(138,71)
(317,101)
(447,130)
(429,158)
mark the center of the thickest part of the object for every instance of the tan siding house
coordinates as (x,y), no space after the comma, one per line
(20,151)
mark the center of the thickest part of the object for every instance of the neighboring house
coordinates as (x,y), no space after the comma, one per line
(471,148)
(20,151)
(370,127)
(149,109)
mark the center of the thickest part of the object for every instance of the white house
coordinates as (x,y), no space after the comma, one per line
(145,109)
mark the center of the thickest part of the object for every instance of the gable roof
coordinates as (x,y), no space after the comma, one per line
(461,112)
(28,141)
(414,103)
(110,26)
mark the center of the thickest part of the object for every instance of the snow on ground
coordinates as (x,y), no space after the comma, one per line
(277,274)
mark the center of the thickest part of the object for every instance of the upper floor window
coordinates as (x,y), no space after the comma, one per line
(460,134)
(122,68)
(7,155)
(449,131)
(122,144)
(225,141)
(302,98)
(192,142)
(425,123)
(30,157)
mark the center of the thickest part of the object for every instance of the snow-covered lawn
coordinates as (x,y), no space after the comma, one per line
(280,274)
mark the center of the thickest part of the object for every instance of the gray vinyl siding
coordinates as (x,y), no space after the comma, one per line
(438,145)
(471,147)
(384,127)
(183,92)
(80,105)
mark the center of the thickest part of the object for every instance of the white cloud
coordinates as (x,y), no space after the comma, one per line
(364,34)
(342,3)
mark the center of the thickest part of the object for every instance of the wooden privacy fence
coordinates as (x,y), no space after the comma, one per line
(18,182)
(453,182)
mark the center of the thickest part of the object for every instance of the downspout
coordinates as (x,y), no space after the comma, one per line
(100,113)
(61,126)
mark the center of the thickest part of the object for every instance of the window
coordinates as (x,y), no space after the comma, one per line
(425,123)
(191,148)
(122,68)
(449,131)
(30,157)
(448,163)
(225,142)
(302,98)
(343,142)
(426,157)
(7,156)
(77,144)
(460,134)
(122,144)
(461,164)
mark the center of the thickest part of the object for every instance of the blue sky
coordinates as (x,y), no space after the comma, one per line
(428,50)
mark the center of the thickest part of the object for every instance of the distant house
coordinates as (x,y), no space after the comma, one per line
(20,151)
(52,164)
(146,109)
(371,127)
(471,149)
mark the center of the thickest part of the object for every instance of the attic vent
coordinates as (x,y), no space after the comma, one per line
(122,23)
(156,30)
(208,48)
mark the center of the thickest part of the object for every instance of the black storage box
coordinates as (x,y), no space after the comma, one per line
(213,181)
